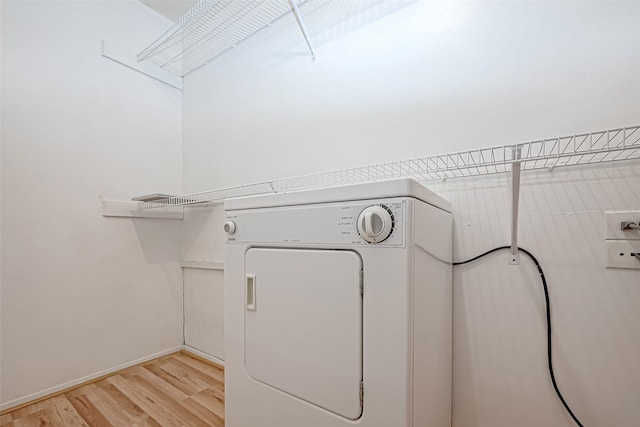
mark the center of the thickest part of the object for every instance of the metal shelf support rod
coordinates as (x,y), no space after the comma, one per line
(516,154)
(303,28)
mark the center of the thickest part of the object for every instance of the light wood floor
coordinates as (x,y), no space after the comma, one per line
(175,390)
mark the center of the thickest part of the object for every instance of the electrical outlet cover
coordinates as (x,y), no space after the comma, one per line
(613,225)
(619,253)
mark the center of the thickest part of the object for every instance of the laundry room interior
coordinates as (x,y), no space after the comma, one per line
(154,151)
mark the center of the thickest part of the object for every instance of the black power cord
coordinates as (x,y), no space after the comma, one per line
(548,309)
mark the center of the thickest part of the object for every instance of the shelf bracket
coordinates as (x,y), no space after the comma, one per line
(129,60)
(516,154)
(303,28)
(133,209)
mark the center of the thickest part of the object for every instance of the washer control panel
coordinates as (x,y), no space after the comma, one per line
(378,222)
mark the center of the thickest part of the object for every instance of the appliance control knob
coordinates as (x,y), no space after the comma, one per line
(375,223)
(229,227)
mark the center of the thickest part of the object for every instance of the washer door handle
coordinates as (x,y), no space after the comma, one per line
(251,292)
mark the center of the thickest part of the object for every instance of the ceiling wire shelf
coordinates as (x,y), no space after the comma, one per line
(581,149)
(211,28)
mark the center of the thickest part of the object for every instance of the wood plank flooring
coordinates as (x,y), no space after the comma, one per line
(175,390)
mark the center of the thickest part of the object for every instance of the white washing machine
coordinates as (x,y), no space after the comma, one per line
(338,308)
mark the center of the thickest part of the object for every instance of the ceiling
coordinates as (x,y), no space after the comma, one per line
(170,9)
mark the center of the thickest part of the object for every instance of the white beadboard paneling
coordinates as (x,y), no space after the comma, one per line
(202,239)
(204,310)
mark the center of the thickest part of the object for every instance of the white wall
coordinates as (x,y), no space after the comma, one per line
(500,366)
(203,287)
(433,77)
(436,77)
(81,293)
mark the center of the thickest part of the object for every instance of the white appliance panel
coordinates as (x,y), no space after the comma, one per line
(405,318)
(390,189)
(333,224)
(303,325)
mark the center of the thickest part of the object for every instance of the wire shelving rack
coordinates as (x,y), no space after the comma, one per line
(212,27)
(581,149)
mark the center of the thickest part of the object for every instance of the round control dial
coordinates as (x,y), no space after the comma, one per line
(375,223)
(229,227)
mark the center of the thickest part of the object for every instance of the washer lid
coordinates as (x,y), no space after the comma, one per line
(403,187)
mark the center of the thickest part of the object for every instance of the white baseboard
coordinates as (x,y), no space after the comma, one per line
(203,355)
(72,383)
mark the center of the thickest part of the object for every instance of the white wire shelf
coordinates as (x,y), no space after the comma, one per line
(211,28)
(581,149)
